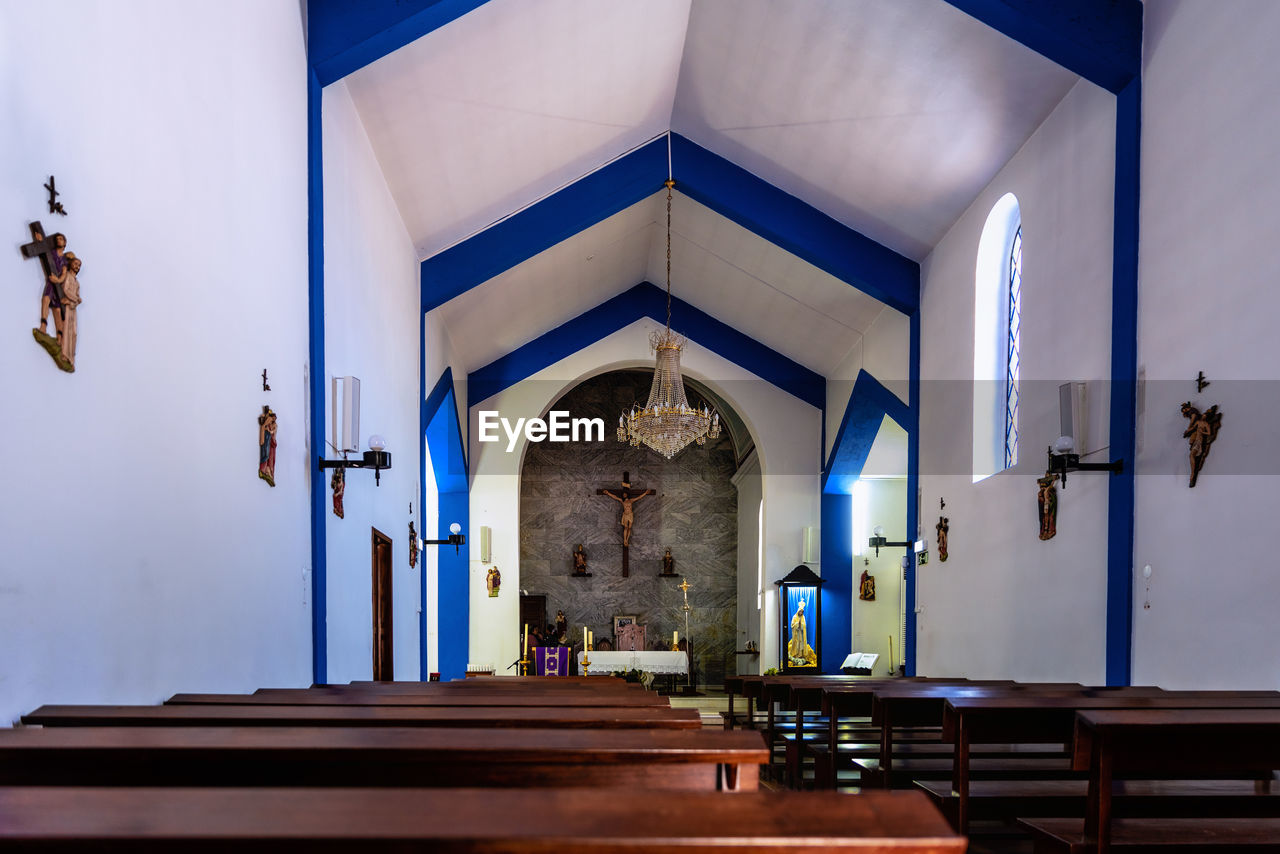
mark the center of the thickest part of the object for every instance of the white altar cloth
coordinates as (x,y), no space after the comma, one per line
(653,661)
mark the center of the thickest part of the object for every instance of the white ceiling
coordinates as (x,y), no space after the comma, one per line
(888,115)
(719,267)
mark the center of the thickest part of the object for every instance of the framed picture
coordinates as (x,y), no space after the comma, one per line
(620,620)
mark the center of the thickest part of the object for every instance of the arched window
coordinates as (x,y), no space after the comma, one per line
(997,323)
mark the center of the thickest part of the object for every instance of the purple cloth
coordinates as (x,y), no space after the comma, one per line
(551,661)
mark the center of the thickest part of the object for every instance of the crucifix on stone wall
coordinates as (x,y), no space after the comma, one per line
(627,500)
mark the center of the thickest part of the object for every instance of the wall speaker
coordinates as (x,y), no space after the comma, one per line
(346,414)
(486,544)
(812,550)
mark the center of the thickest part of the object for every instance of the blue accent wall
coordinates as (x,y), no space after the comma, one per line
(703,176)
(869,403)
(346,35)
(1101,40)
(448,458)
(1124,380)
(646,300)
(315,315)
(913,492)
(837,571)
(802,230)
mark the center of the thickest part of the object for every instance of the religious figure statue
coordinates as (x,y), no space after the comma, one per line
(1201,432)
(628,515)
(267,428)
(67,282)
(942,527)
(799,653)
(338,483)
(867,587)
(413,545)
(51,298)
(562,628)
(579,561)
(493,581)
(1047,498)
(55,262)
(668,563)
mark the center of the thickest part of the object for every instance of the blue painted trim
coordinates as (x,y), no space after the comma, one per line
(1101,40)
(315,347)
(913,492)
(703,176)
(582,204)
(789,223)
(869,403)
(345,36)
(646,300)
(444,443)
(837,571)
(1124,386)
(424,665)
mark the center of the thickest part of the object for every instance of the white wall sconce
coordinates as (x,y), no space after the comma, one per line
(456,538)
(878,540)
(486,543)
(375,458)
(1062,459)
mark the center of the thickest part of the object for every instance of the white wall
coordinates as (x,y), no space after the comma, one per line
(874,622)
(142,554)
(1007,604)
(750,488)
(371,332)
(1208,302)
(884,351)
(786,432)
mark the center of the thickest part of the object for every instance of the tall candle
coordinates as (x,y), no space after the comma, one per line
(675,638)
(526,640)
(591,640)
(584,637)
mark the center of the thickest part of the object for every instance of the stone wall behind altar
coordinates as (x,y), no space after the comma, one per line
(695,513)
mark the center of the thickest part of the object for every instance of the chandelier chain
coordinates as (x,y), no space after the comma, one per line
(670,183)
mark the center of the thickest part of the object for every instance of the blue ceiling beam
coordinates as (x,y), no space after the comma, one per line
(645,300)
(516,239)
(1101,40)
(789,223)
(344,36)
(703,176)
(869,403)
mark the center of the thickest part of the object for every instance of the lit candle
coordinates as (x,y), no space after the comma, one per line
(526,640)
(675,638)
(591,639)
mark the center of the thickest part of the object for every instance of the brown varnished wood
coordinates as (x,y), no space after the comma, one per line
(375,756)
(556,821)
(327,697)
(623,717)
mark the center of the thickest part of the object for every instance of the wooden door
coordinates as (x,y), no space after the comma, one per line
(382,646)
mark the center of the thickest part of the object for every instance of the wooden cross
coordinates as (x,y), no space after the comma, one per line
(627,500)
(41,247)
(55,206)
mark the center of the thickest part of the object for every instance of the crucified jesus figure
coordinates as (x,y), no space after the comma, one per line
(628,516)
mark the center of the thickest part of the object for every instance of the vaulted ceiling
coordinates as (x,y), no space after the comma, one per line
(888,116)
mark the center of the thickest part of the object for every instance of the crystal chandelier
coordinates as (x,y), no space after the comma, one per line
(667,424)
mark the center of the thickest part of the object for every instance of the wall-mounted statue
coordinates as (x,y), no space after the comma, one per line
(338,483)
(413,544)
(1201,432)
(867,587)
(60,296)
(668,563)
(1047,498)
(943,526)
(579,561)
(493,581)
(267,428)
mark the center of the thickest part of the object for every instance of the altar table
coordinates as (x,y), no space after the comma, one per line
(653,661)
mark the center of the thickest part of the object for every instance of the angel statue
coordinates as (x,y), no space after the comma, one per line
(1201,432)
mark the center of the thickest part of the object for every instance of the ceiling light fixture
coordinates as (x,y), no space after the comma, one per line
(668,424)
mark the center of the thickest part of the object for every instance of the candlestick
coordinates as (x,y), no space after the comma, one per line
(584,638)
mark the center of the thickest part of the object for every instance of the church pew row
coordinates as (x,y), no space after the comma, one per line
(1171,744)
(542,821)
(380,756)
(366,697)
(971,722)
(542,717)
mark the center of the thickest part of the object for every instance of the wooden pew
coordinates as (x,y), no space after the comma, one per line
(540,717)
(380,756)
(1033,718)
(1171,743)
(565,821)
(332,697)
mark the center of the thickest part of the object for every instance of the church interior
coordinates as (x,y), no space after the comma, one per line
(773,354)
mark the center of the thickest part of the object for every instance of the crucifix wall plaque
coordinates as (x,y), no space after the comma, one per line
(627,499)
